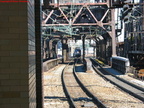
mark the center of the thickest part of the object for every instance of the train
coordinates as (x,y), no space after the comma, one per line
(77,52)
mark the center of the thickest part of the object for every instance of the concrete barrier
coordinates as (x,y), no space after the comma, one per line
(47,65)
(120,63)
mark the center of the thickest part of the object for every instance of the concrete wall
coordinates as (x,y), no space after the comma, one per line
(17,55)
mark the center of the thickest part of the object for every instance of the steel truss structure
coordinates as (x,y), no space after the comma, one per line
(77,18)
(134,35)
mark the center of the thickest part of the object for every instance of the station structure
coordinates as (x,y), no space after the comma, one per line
(30,32)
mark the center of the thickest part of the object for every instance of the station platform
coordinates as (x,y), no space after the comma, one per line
(126,76)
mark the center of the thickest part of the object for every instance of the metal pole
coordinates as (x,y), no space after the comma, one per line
(113,33)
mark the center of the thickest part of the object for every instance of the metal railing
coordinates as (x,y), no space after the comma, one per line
(138,74)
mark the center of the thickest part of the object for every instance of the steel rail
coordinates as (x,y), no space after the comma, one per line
(95,99)
(71,102)
(136,95)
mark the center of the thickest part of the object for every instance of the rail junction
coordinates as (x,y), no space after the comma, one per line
(87,89)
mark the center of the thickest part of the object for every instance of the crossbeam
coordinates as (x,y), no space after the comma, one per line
(77,4)
(76,24)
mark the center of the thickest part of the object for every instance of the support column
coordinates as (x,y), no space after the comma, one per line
(44,49)
(39,75)
(56,52)
(67,52)
(95,49)
(83,41)
(54,49)
(94,52)
(143,18)
(50,49)
(113,33)
(64,50)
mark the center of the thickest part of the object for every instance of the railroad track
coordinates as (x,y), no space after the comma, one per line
(126,86)
(76,92)
(54,97)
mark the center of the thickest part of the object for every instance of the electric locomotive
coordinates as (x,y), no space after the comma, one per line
(77,52)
